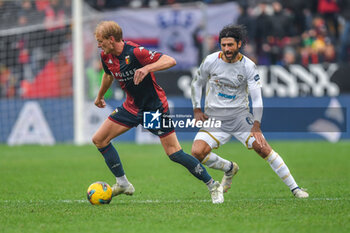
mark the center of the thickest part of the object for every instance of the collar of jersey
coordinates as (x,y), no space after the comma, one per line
(221,54)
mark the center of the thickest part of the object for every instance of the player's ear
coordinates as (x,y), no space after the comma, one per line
(239,44)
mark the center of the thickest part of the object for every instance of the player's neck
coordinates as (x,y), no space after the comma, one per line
(118,49)
(235,59)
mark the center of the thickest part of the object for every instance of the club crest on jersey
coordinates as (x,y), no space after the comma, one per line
(240,77)
(127,60)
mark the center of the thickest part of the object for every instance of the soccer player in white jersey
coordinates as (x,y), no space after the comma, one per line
(229,77)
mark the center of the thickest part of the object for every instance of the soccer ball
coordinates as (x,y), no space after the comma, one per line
(99,193)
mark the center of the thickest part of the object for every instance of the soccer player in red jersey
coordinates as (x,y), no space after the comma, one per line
(133,66)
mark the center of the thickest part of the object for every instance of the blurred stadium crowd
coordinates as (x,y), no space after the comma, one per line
(280,32)
(305,32)
(32,35)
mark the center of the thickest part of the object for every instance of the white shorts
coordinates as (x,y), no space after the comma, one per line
(239,127)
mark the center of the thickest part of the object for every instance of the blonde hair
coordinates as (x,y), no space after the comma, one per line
(109,28)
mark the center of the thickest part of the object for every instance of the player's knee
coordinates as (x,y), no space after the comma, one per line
(263,151)
(199,153)
(266,150)
(95,140)
(98,141)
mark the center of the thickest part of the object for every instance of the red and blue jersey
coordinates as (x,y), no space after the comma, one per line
(146,96)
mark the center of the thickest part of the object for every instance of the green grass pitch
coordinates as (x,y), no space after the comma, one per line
(43,189)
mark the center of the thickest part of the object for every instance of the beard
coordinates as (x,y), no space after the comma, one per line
(234,55)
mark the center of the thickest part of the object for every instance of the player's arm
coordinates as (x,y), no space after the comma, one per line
(107,80)
(198,82)
(254,86)
(164,62)
(257,104)
(257,107)
(106,83)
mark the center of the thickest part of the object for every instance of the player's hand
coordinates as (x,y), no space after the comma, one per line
(140,74)
(257,134)
(100,102)
(199,115)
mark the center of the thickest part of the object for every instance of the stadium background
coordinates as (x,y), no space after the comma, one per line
(301,49)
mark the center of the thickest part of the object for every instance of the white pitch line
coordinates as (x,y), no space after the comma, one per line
(176,201)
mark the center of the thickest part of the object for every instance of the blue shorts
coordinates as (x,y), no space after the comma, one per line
(122,117)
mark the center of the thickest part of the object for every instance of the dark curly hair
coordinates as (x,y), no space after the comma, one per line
(238,32)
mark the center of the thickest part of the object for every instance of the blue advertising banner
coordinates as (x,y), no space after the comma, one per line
(50,121)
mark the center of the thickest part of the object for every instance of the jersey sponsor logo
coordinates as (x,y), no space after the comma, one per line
(256,77)
(223,85)
(125,79)
(151,120)
(227,96)
(126,75)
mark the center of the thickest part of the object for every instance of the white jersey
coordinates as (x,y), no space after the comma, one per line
(227,85)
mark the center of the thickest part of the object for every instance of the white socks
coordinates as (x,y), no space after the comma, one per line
(122,181)
(210,184)
(277,164)
(214,161)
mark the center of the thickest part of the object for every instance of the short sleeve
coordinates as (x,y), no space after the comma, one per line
(253,77)
(105,68)
(203,73)
(145,56)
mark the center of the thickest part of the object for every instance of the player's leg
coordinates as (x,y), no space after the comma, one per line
(265,151)
(110,129)
(279,167)
(202,147)
(173,149)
